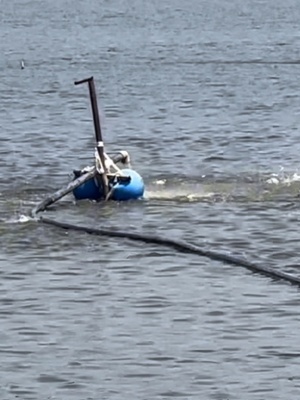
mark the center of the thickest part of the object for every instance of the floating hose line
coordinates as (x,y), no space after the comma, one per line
(180,246)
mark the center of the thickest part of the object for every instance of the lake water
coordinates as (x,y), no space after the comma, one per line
(205,96)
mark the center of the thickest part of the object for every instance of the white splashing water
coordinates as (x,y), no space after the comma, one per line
(283,178)
(159,191)
(19,219)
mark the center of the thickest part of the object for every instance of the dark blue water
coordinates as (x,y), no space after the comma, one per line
(204,95)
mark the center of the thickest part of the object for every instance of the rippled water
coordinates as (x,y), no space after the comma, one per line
(205,97)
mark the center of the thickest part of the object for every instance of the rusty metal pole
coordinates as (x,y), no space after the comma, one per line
(98,133)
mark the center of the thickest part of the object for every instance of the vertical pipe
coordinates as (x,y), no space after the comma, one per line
(98,133)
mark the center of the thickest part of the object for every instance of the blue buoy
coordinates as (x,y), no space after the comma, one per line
(133,189)
(88,190)
(121,190)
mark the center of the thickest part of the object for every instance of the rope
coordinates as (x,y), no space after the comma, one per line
(109,165)
(180,246)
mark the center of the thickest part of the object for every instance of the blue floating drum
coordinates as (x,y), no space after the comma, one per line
(128,186)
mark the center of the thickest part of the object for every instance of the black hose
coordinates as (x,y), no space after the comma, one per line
(62,192)
(79,180)
(180,246)
(176,244)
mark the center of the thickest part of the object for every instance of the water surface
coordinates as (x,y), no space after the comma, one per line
(205,97)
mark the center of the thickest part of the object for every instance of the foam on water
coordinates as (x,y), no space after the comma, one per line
(233,188)
(19,219)
(177,194)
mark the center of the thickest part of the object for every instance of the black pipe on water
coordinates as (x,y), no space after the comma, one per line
(180,246)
